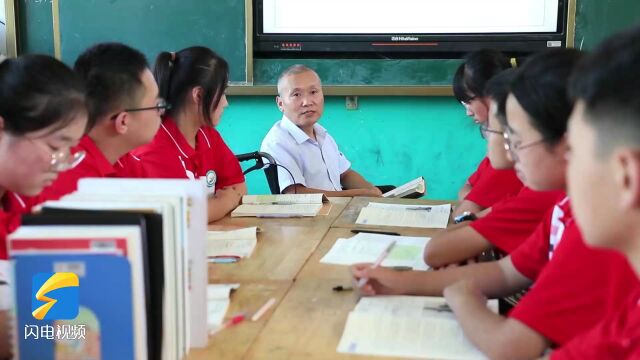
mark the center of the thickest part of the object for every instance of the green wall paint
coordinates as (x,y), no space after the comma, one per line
(389,140)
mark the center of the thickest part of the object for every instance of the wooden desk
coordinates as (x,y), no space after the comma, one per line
(335,206)
(284,245)
(350,214)
(307,325)
(281,252)
(340,273)
(233,343)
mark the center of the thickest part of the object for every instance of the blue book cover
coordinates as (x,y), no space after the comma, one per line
(74,307)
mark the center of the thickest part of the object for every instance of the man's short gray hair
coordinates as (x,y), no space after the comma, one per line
(292,70)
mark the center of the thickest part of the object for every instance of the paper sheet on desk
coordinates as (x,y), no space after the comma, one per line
(364,248)
(405,215)
(406,326)
(218,303)
(240,242)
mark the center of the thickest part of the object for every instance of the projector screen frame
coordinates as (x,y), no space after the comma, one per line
(405,45)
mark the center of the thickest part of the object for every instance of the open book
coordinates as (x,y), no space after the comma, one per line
(366,248)
(406,326)
(240,242)
(287,205)
(414,188)
(420,216)
(284,199)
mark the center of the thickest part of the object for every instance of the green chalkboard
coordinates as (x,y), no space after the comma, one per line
(363,72)
(34,26)
(597,19)
(156,25)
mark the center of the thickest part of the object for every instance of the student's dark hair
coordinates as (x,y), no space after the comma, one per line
(541,88)
(38,92)
(472,76)
(498,90)
(112,74)
(178,73)
(607,81)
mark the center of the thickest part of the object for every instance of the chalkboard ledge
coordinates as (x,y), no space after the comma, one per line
(346,90)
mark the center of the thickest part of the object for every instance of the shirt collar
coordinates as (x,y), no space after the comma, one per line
(170,128)
(299,135)
(97,157)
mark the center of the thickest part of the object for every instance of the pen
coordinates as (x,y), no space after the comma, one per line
(342,288)
(279,203)
(224,259)
(427,208)
(356,231)
(237,319)
(263,309)
(439,308)
(379,261)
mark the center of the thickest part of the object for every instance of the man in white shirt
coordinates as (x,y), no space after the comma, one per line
(305,148)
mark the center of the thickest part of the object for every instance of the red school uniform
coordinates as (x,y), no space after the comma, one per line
(576,286)
(513,219)
(488,185)
(169,155)
(94,165)
(616,338)
(13,207)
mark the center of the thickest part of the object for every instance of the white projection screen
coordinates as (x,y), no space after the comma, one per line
(409,26)
(409,16)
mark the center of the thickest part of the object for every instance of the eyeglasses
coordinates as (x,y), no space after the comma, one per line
(513,147)
(485,131)
(161,107)
(62,160)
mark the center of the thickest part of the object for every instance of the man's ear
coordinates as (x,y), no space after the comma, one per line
(627,178)
(121,122)
(279,103)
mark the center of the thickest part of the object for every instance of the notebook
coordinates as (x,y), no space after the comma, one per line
(284,199)
(240,242)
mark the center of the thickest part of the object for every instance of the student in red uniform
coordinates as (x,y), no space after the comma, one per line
(193,81)
(124,113)
(486,185)
(510,221)
(42,114)
(604,181)
(564,301)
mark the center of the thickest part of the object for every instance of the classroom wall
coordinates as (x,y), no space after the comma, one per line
(389,140)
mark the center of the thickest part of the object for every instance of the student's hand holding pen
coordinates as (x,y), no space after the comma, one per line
(381,281)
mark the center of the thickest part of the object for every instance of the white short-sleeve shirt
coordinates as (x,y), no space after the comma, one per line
(314,164)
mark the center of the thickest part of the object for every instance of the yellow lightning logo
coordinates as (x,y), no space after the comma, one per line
(56,281)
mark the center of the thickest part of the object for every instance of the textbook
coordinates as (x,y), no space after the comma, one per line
(152,245)
(218,303)
(413,189)
(407,326)
(277,211)
(284,199)
(420,216)
(97,320)
(240,242)
(366,248)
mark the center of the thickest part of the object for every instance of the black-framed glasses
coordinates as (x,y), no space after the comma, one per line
(485,131)
(161,107)
(513,147)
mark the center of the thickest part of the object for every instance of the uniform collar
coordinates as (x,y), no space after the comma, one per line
(170,128)
(96,155)
(299,135)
